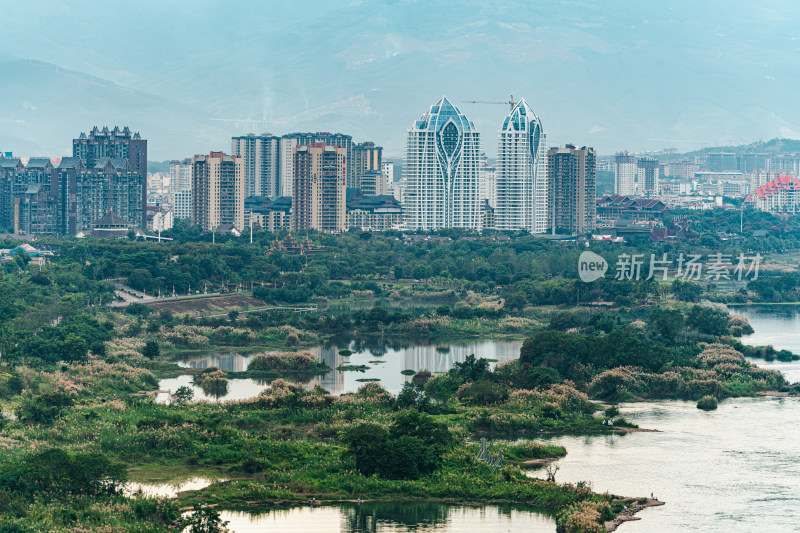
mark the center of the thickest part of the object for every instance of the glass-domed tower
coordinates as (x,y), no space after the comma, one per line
(442,170)
(521,175)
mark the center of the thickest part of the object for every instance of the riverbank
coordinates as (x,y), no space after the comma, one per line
(629,514)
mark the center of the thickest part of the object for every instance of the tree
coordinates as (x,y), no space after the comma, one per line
(472,369)
(184,394)
(43,409)
(667,322)
(22,258)
(515,302)
(56,473)
(708,321)
(206,520)
(151,350)
(413,396)
(412,447)
(687,291)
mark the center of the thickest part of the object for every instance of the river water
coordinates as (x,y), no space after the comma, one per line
(736,469)
(776,325)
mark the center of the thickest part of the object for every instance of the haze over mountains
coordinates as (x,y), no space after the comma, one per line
(618,75)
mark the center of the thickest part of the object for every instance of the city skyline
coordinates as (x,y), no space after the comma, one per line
(352,77)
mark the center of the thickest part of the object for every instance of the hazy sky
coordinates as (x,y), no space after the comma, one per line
(611,74)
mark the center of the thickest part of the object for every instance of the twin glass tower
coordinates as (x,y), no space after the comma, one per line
(443,171)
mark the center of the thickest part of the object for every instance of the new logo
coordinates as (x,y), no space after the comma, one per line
(591,267)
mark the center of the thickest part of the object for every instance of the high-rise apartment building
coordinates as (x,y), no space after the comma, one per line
(115,144)
(521,172)
(721,162)
(647,176)
(367,163)
(442,170)
(217,191)
(261,155)
(387,167)
(751,162)
(290,141)
(42,198)
(110,186)
(180,183)
(490,186)
(625,174)
(320,179)
(572,189)
(25,199)
(680,169)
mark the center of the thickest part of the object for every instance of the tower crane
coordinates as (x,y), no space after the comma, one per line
(511,102)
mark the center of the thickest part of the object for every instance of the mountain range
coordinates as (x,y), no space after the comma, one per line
(188,75)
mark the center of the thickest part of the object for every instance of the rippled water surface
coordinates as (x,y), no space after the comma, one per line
(736,469)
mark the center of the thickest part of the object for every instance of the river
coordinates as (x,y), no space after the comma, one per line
(736,469)
(776,325)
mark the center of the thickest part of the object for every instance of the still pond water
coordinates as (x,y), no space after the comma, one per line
(736,469)
(393,518)
(384,363)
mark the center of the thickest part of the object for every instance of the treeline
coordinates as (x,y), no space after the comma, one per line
(683,354)
(528,269)
(45,316)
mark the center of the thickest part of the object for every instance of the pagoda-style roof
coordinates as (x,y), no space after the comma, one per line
(111,221)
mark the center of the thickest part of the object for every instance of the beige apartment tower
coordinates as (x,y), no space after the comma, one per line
(217,191)
(368,169)
(319,186)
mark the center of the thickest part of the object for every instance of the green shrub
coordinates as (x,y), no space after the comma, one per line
(483,393)
(412,446)
(707,403)
(283,361)
(56,473)
(43,409)
(151,350)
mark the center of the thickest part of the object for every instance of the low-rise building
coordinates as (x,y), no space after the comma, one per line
(373,213)
(269,213)
(615,207)
(160,218)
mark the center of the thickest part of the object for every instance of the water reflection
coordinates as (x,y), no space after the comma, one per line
(776,325)
(238,389)
(168,481)
(394,518)
(232,362)
(395,356)
(398,358)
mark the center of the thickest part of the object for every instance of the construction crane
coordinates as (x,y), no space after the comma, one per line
(244,123)
(511,102)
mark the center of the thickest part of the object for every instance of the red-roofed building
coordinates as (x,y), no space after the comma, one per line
(781,195)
